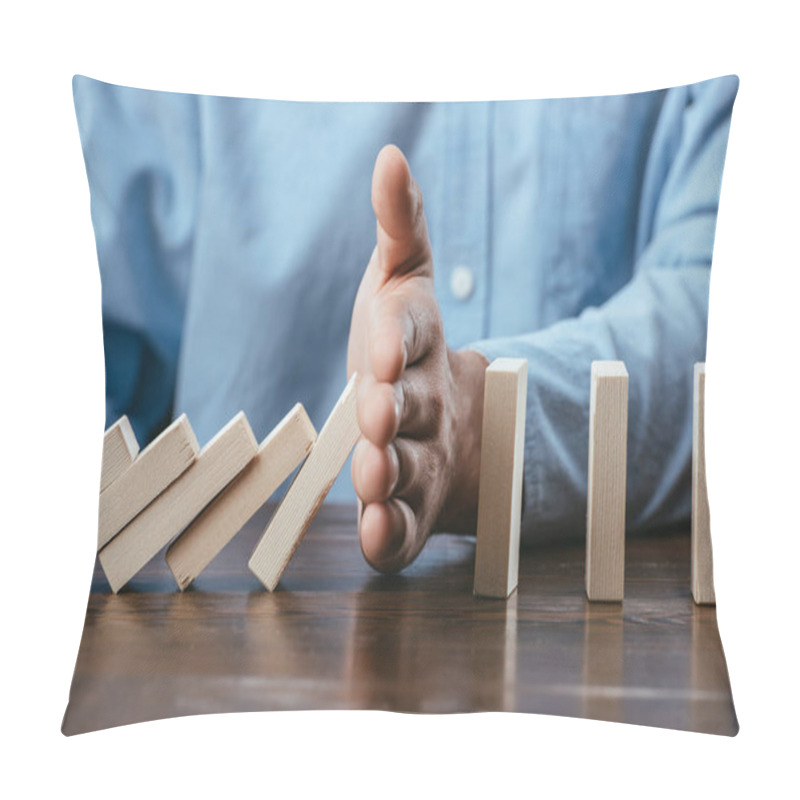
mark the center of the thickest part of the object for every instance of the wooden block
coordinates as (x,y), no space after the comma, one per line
(218,463)
(702,560)
(283,449)
(308,490)
(155,468)
(119,450)
(500,492)
(608,455)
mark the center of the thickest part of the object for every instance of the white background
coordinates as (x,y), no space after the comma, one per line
(52,385)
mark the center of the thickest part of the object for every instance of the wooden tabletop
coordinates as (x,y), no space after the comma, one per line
(337,635)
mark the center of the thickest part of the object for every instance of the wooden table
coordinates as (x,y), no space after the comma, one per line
(337,635)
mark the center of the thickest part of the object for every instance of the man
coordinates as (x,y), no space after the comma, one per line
(232,235)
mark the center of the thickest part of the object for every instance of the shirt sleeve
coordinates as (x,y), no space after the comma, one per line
(656,324)
(142,156)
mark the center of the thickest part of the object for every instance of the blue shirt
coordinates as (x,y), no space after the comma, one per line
(232,235)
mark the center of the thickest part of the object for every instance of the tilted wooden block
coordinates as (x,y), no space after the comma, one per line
(308,491)
(608,455)
(702,559)
(119,450)
(500,492)
(218,463)
(282,450)
(155,468)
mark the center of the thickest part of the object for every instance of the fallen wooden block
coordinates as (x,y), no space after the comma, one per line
(119,450)
(283,449)
(500,491)
(154,469)
(308,491)
(608,452)
(215,467)
(702,559)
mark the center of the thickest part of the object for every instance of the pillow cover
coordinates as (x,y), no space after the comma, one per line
(238,251)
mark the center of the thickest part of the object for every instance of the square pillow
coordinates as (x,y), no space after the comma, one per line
(254,254)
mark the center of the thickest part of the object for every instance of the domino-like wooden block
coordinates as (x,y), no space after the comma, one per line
(500,492)
(154,469)
(283,449)
(608,455)
(120,448)
(217,464)
(702,561)
(308,491)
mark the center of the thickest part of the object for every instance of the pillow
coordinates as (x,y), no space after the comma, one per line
(246,298)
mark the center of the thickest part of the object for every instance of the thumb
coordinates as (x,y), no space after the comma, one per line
(403,244)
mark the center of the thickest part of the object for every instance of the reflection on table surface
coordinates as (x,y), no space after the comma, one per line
(337,635)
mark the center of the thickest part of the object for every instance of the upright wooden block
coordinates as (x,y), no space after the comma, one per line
(283,449)
(500,492)
(608,454)
(217,465)
(702,560)
(308,490)
(155,468)
(119,450)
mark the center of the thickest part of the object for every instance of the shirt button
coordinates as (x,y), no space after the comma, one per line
(462,283)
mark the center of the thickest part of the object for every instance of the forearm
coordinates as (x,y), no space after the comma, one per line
(657,326)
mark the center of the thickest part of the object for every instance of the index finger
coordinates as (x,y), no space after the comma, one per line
(405,326)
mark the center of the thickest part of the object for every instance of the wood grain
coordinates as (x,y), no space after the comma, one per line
(308,490)
(500,490)
(337,635)
(605,512)
(280,452)
(217,464)
(702,557)
(154,469)
(120,448)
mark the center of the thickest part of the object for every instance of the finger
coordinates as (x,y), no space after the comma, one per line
(388,535)
(415,470)
(378,410)
(405,327)
(397,201)
(375,471)
(412,407)
(421,407)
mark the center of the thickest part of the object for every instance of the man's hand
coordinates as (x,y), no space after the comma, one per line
(420,404)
